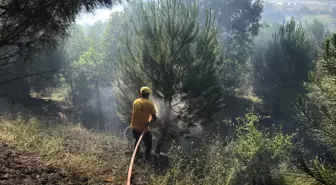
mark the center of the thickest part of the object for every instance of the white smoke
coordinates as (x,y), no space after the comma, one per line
(170,114)
(108,106)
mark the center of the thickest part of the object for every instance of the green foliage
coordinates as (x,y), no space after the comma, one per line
(317,110)
(91,65)
(89,58)
(52,17)
(316,31)
(322,94)
(29,27)
(165,48)
(252,156)
(266,33)
(50,60)
(91,72)
(87,71)
(281,68)
(112,34)
(322,172)
(238,22)
(95,36)
(76,44)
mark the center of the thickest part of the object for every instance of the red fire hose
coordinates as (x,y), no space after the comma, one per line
(129,176)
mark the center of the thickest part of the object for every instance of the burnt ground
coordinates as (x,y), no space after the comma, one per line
(24,168)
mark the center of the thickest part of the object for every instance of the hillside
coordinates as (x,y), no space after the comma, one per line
(44,152)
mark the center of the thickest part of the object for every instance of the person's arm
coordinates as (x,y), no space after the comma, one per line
(154,118)
(153,113)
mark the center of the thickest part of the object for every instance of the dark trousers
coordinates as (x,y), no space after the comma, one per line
(147,139)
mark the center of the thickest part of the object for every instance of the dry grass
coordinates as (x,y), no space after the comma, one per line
(54,94)
(95,156)
(299,179)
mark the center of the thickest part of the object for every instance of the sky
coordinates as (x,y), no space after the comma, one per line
(98,15)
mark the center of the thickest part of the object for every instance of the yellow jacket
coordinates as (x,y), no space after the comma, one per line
(142,111)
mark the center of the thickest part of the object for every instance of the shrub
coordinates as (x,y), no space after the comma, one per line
(252,156)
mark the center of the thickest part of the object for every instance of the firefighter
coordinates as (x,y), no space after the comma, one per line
(143,113)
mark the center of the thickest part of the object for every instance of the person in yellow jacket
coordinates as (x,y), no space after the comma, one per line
(143,113)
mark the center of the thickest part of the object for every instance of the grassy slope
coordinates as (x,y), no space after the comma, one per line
(77,151)
(93,156)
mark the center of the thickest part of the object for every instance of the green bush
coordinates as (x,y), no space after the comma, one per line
(252,156)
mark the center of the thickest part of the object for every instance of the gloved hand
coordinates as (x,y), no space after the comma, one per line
(150,122)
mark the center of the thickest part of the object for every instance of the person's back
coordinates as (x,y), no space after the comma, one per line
(142,111)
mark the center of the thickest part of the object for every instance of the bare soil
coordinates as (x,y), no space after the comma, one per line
(24,168)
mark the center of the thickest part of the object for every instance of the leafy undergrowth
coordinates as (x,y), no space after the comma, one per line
(97,157)
(253,156)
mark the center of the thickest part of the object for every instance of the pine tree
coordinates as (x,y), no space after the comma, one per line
(166,49)
(317,112)
(281,68)
(239,23)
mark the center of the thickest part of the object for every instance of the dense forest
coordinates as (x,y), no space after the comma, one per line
(243,95)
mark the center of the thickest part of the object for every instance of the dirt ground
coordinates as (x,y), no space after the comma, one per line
(19,167)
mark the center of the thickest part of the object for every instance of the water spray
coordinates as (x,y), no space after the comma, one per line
(125,132)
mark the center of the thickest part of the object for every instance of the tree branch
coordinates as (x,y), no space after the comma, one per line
(27,75)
